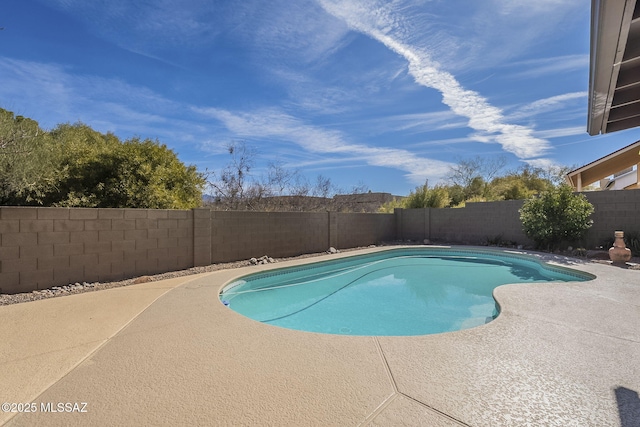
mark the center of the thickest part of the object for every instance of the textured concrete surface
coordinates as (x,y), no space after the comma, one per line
(41,341)
(563,354)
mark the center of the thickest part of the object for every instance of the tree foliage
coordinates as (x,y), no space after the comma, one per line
(478,179)
(472,176)
(555,216)
(521,184)
(424,197)
(27,161)
(74,165)
(135,174)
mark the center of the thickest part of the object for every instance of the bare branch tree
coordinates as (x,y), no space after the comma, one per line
(323,188)
(279,188)
(465,171)
(230,186)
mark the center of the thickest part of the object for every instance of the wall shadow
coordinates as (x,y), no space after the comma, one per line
(628,407)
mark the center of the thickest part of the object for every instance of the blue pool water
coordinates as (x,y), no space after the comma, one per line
(395,292)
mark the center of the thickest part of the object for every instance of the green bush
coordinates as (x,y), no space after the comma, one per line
(555,216)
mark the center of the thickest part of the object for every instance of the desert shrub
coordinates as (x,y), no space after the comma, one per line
(555,216)
(391,205)
(424,197)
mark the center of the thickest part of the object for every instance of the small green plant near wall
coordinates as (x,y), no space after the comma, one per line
(555,216)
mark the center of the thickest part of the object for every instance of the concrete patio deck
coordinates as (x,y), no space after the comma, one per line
(168,353)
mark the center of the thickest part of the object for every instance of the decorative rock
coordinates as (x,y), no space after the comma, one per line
(619,253)
(332,250)
(142,279)
(265,259)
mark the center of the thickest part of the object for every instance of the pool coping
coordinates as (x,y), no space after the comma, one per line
(177,358)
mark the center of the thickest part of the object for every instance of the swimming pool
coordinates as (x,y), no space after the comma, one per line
(408,291)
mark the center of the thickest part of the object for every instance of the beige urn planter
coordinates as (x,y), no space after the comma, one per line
(619,253)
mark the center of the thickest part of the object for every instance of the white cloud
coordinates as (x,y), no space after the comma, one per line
(421,122)
(415,123)
(298,30)
(445,142)
(273,124)
(331,98)
(546,164)
(472,35)
(547,104)
(554,65)
(561,132)
(43,84)
(379,22)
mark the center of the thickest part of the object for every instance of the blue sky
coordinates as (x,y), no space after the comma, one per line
(382,93)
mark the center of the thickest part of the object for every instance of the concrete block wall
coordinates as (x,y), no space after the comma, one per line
(614,210)
(477,222)
(202,237)
(44,247)
(414,224)
(243,235)
(363,229)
